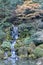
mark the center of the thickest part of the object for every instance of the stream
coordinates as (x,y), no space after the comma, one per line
(13,60)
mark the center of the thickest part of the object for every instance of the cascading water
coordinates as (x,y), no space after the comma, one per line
(15,36)
(13,57)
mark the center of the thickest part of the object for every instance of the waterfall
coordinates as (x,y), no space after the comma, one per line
(13,57)
(15,37)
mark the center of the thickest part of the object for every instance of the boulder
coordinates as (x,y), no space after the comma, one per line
(38,52)
(22,51)
(2,35)
(32,56)
(27,41)
(6,45)
(37,37)
(40,26)
(9,53)
(1,54)
(18,44)
(30,48)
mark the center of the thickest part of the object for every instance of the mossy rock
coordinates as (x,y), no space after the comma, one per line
(18,44)
(2,35)
(27,40)
(22,48)
(6,45)
(38,52)
(22,51)
(0,42)
(8,36)
(9,53)
(38,37)
(29,50)
(23,30)
(23,57)
(1,54)
(32,45)
(32,56)
(41,46)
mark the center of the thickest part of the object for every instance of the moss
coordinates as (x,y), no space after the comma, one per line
(41,46)
(32,56)
(6,45)
(1,54)
(27,40)
(8,36)
(9,53)
(23,30)
(22,56)
(18,44)
(38,52)
(2,35)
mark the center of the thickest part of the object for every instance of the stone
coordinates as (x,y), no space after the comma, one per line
(1,54)
(27,41)
(9,53)
(6,45)
(32,56)
(38,37)
(38,52)
(22,51)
